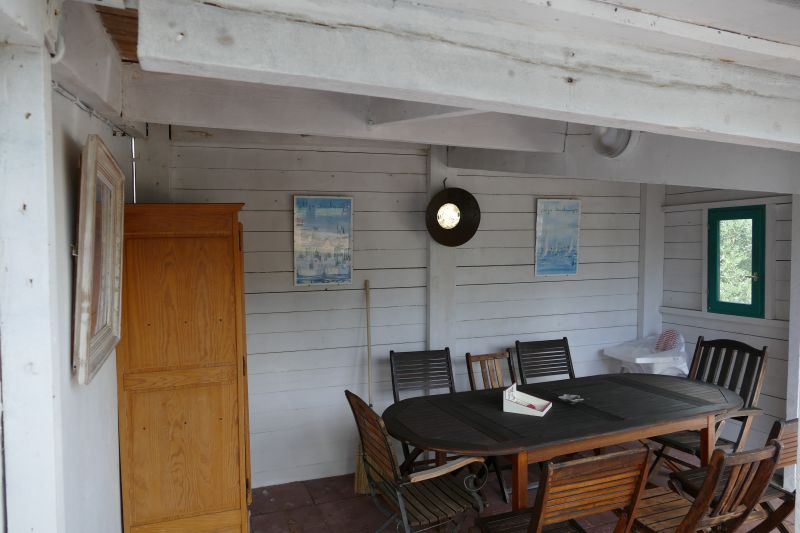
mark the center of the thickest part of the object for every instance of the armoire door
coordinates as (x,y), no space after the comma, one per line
(181,371)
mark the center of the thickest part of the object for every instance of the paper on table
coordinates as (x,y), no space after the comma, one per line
(518,402)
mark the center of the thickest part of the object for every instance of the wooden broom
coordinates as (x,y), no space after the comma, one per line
(361,483)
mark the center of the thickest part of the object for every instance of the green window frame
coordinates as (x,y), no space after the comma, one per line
(756,214)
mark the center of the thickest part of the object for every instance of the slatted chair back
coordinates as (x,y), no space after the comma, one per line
(785,432)
(591,485)
(730,364)
(744,477)
(423,372)
(542,359)
(491,365)
(379,461)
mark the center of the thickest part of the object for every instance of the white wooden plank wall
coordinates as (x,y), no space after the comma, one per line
(499,299)
(683,285)
(306,345)
(680,195)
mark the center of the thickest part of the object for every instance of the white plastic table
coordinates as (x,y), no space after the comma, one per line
(670,363)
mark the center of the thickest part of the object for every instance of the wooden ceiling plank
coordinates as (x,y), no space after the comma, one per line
(122,25)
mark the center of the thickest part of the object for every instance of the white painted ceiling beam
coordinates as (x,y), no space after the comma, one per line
(119,4)
(90,68)
(678,26)
(208,103)
(385,112)
(771,20)
(408,51)
(657,159)
(21,22)
(29,22)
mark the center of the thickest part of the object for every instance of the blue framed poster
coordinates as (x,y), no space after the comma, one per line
(558,230)
(323,240)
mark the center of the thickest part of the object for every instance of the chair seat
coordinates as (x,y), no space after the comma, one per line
(518,521)
(661,510)
(433,501)
(689,442)
(692,480)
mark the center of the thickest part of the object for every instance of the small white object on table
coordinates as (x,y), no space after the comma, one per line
(518,402)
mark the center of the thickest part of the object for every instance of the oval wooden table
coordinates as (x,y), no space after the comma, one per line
(617,408)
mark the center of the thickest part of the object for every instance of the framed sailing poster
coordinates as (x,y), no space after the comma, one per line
(558,230)
(323,240)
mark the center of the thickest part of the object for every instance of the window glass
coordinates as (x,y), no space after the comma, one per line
(736,260)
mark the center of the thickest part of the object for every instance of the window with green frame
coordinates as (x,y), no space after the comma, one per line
(736,237)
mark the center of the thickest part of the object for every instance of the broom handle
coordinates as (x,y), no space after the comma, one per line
(369,344)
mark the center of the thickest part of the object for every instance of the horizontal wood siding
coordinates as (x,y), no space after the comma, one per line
(306,345)
(681,195)
(683,289)
(499,300)
(683,249)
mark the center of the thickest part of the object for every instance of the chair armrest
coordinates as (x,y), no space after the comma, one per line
(740,413)
(446,468)
(676,486)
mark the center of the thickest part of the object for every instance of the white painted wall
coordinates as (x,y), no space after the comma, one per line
(60,440)
(684,290)
(89,448)
(498,299)
(28,274)
(306,345)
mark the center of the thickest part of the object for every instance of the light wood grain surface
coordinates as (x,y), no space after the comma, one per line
(181,368)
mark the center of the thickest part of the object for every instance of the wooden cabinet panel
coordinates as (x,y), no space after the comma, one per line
(184,451)
(181,368)
(183,220)
(188,317)
(225,522)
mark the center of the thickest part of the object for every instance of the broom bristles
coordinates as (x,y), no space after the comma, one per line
(360,481)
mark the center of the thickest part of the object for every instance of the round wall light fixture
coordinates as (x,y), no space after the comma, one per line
(448,216)
(613,142)
(452,217)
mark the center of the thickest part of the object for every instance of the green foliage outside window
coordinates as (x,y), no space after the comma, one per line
(736,260)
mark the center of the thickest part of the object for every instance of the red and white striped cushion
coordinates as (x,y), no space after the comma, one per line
(668,340)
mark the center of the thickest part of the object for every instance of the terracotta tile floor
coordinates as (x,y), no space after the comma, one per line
(329,505)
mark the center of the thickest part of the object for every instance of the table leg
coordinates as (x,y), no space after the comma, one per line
(708,438)
(441,458)
(519,494)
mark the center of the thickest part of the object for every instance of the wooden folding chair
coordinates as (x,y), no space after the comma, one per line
(544,359)
(726,363)
(491,367)
(579,488)
(418,501)
(420,373)
(731,488)
(784,432)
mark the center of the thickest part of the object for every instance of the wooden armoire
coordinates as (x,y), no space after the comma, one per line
(181,366)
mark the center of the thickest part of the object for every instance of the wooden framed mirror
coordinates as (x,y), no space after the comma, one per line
(98,265)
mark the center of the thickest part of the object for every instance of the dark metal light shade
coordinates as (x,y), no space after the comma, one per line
(467,225)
